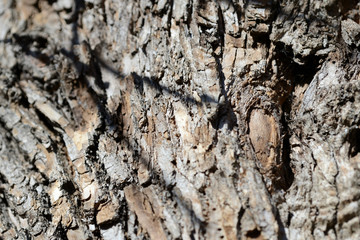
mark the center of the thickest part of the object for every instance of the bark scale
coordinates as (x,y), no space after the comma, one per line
(178,119)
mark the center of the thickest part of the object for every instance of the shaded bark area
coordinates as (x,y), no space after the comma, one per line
(172,119)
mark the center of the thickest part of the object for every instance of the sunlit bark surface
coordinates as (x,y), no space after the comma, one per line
(179,119)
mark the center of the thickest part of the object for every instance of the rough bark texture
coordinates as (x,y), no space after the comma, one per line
(170,119)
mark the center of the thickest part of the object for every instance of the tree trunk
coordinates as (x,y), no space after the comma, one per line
(170,119)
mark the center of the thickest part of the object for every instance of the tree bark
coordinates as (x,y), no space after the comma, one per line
(171,119)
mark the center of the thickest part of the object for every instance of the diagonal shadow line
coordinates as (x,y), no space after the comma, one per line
(109,119)
(185,98)
(109,122)
(6,40)
(138,81)
(113,122)
(79,4)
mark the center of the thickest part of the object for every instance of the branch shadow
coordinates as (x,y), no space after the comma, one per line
(93,69)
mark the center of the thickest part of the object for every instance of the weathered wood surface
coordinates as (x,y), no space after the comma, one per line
(172,119)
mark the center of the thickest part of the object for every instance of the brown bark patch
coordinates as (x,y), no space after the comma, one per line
(264,136)
(140,204)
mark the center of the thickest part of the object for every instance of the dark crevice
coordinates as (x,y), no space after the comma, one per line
(69,187)
(51,2)
(79,7)
(23,101)
(290,216)
(221,30)
(305,73)
(293,75)
(189,9)
(61,232)
(170,17)
(102,4)
(253,233)
(284,52)
(288,173)
(224,114)
(353,138)
(346,5)
(47,122)
(238,225)
(281,233)
(213,169)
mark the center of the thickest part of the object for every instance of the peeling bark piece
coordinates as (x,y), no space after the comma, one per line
(9,117)
(142,207)
(107,213)
(55,193)
(76,234)
(264,136)
(157,94)
(180,10)
(51,114)
(350,32)
(143,174)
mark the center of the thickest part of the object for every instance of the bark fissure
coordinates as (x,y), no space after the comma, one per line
(175,119)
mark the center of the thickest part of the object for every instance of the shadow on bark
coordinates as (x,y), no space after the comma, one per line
(223,114)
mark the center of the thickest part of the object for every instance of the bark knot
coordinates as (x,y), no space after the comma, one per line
(265,137)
